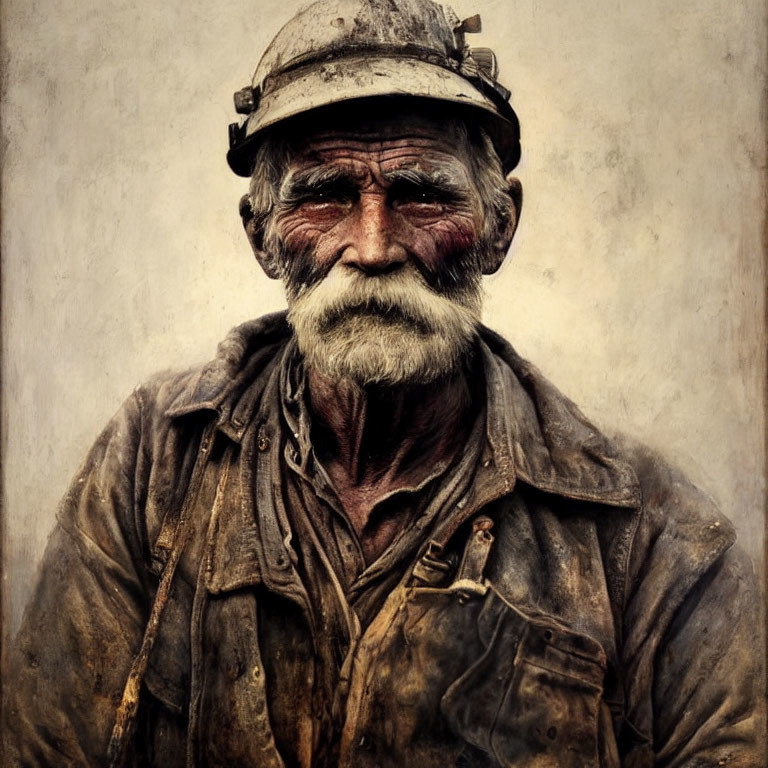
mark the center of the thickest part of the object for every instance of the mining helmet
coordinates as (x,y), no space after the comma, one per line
(339,50)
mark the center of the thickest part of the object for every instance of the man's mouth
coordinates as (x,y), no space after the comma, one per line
(385,313)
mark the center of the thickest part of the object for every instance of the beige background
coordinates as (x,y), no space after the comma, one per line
(636,281)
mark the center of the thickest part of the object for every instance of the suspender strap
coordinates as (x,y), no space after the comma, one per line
(125,718)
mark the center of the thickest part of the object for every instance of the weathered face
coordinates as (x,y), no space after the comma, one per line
(379,234)
(375,203)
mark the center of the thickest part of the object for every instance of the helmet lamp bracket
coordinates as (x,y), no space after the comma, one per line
(246,100)
(471,25)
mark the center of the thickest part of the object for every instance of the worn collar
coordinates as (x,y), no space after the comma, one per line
(537,434)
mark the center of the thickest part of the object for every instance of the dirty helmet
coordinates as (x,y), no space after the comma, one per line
(337,51)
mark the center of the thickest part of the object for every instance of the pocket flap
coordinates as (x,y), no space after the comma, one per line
(533,697)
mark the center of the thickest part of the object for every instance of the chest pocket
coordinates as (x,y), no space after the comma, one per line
(463,678)
(532,698)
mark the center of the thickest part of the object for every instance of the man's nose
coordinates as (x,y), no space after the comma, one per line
(373,247)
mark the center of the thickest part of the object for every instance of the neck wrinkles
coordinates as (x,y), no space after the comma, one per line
(387,437)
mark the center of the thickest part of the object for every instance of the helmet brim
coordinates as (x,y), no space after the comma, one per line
(364,77)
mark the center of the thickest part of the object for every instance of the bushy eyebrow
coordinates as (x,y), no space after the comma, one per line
(437,182)
(340,179)
(301,184)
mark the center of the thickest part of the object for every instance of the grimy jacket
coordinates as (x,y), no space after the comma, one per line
(581,604)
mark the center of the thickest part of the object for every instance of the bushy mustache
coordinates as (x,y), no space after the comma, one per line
(453,277)
(402,296)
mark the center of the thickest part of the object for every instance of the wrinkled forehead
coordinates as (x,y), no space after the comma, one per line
(401,138)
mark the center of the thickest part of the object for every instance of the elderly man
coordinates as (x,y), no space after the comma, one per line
(368,533)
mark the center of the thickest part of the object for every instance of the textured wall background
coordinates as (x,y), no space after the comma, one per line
(636,281)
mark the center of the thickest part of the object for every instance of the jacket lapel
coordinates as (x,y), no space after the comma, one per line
(536,435)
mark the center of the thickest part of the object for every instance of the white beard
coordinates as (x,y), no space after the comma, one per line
(385,329)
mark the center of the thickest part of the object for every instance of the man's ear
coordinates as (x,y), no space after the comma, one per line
(254,231)
(500,245)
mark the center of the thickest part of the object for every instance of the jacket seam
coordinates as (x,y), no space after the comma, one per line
(141,530)
(80,538)
(627,556)
(643,738)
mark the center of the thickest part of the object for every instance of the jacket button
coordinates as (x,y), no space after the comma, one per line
(263,444)
(234,670)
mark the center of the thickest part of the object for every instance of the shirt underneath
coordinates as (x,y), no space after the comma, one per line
(304,648)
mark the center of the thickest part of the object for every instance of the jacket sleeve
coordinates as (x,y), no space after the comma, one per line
(692,639)
(69,662)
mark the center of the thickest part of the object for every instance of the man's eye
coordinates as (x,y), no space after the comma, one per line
(335,192)
(423,196)
(420,197)
(419,202)
(323,199)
